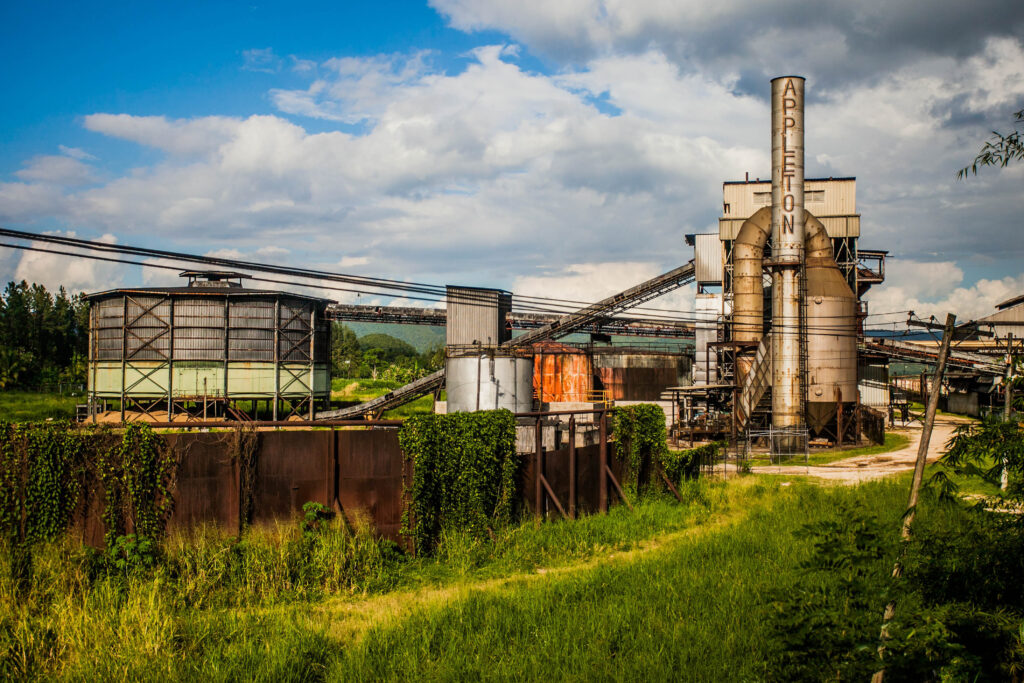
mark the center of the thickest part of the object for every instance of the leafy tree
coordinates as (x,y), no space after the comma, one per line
(346,356)
(1000,150)
(44,336)
(390,348)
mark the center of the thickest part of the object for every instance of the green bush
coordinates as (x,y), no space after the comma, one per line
(465,474)
(643,450)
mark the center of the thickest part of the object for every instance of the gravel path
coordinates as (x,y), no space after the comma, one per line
(866,467)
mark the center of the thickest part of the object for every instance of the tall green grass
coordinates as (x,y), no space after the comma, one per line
(672,590)
(698,610)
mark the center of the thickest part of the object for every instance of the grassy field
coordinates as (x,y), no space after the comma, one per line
(672,590)
(22,406)
(366,389)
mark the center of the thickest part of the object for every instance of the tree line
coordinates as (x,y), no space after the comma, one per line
(380,356)
(44,336)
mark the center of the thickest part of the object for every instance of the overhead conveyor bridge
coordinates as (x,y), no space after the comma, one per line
(606,308)
(908,351)
(517,320)
(567,324)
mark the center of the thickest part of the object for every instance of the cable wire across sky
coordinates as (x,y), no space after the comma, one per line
(327,280)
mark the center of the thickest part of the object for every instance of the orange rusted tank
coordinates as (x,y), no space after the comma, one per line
(561,373)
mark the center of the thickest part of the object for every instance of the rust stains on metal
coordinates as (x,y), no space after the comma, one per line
(562,373)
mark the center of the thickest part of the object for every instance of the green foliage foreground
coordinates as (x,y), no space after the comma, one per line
(752,580)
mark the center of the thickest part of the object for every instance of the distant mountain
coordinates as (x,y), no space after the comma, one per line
(420,337)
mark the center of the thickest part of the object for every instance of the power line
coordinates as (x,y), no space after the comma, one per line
(369,285)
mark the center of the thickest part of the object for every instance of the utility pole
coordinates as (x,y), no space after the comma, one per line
(1004,479)
(1009,371)
(915,485)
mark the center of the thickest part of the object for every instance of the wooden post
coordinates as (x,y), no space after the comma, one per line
(839,417)
(538,466)
(1004,479)
(915,485)
(929,422)
(603,478)
(572,467)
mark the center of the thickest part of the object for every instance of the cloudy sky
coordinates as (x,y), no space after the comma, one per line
(558,148)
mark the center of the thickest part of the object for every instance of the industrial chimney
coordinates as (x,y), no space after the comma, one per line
(787,251)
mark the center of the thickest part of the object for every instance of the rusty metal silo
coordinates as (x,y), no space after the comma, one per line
(562,373)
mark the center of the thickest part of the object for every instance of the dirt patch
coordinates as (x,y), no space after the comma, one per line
(867,467)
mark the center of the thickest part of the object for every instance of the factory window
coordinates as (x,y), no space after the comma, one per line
(814,196)
(762,198)
(725,209)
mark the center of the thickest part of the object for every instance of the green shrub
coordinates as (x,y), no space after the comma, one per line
(465,474)
(643,450)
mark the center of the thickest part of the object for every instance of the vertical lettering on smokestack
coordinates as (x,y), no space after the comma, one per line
(787,250)
(788,168)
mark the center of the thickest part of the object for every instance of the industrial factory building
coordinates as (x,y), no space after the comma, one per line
(778,356)
(734,310)
(203,349)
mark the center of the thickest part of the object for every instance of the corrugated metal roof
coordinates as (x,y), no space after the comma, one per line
(202,292)
(1009,303)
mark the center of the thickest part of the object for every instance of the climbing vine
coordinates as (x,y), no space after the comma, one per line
(641,441)
(41,476)
(137,477)
(49,470)
(643,447)
(465,474)
(686,464)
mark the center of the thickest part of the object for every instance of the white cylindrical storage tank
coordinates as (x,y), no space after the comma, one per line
(486,382)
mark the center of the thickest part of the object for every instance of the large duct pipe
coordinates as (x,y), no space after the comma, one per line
(787,250)
(748,286)
(831,322)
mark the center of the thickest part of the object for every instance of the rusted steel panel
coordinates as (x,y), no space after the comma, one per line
(556,471)
(206,487)
(293,468)
(561,373)
(370,477)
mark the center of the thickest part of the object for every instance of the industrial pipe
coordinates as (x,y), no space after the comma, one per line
(748,286)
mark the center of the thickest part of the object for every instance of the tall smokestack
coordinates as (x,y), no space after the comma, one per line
(787,249)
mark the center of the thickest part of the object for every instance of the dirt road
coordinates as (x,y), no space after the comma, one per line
(866,467)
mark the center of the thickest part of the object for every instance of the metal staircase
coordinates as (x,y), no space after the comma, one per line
(756,383)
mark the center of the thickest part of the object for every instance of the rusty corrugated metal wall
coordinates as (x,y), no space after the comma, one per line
(561,373)
(638,377)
